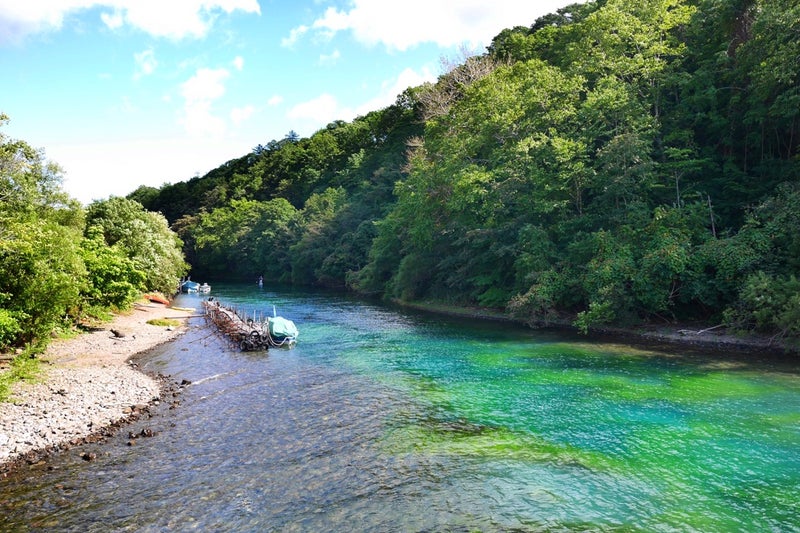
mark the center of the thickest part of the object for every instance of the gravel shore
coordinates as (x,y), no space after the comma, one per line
(88,385)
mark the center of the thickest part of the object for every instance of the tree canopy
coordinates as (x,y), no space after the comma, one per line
(614,162)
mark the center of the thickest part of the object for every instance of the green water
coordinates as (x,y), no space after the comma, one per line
(589,434)
(382,419)
(601,436)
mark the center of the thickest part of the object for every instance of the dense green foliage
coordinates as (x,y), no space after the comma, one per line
(143,237)
(60,262)
(617,161)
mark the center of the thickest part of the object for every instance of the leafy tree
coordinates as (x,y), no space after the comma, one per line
(768,304)
(309,253)
(768,287)
(143,236)
(246,239)
(385,252)
(41,277)
(598,166)
(113,279)
(273,231)
(41,273)
(10,326)
(54,268)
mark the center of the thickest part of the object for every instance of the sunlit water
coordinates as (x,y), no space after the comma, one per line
(385,420)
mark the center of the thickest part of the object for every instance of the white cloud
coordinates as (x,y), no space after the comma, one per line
(173,19)
(199,93)
(311,115)
(238,63)
(402,25)
(294,36)
(330,59)
(325,104)
(200,121)
(179,19)
(392,88)
(18,19)
(206,84)
(275,100)
(113,20)
(145,63)
(240,114)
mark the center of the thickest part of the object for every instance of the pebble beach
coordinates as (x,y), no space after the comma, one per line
(87,386)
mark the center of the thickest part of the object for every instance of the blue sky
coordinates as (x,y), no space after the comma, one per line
(122,93)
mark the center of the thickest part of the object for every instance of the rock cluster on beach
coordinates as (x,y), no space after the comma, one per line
(69,405)
(87,388)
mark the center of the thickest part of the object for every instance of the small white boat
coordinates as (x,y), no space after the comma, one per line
(204,288)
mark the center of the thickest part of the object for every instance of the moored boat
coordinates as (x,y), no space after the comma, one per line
(282,331)
(190,286)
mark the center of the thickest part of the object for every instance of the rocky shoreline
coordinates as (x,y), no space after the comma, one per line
(89,388)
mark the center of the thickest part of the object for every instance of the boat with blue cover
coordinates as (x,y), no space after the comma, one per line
(190,286)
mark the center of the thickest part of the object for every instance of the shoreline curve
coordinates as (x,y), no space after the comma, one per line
(88,389)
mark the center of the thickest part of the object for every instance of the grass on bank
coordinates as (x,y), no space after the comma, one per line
(24,367)
(167,322)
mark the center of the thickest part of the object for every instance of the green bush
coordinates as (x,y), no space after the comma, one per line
(113,279)
(768,304)
(144,237)
(9,327)
(42,273)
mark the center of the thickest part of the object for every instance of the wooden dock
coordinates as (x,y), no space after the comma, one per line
(249,333)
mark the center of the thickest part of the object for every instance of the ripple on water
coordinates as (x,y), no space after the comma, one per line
(380,420)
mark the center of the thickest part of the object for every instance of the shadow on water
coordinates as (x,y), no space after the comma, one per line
(382,419)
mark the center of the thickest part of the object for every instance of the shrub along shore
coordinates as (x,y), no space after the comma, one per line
(714,337)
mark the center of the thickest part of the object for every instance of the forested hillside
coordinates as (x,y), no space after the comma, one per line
(615,162)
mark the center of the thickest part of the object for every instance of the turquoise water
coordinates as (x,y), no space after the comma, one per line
(385,420)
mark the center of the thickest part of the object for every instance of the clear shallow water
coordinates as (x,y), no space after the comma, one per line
(385,420)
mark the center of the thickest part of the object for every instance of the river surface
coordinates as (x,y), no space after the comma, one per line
(383,419)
